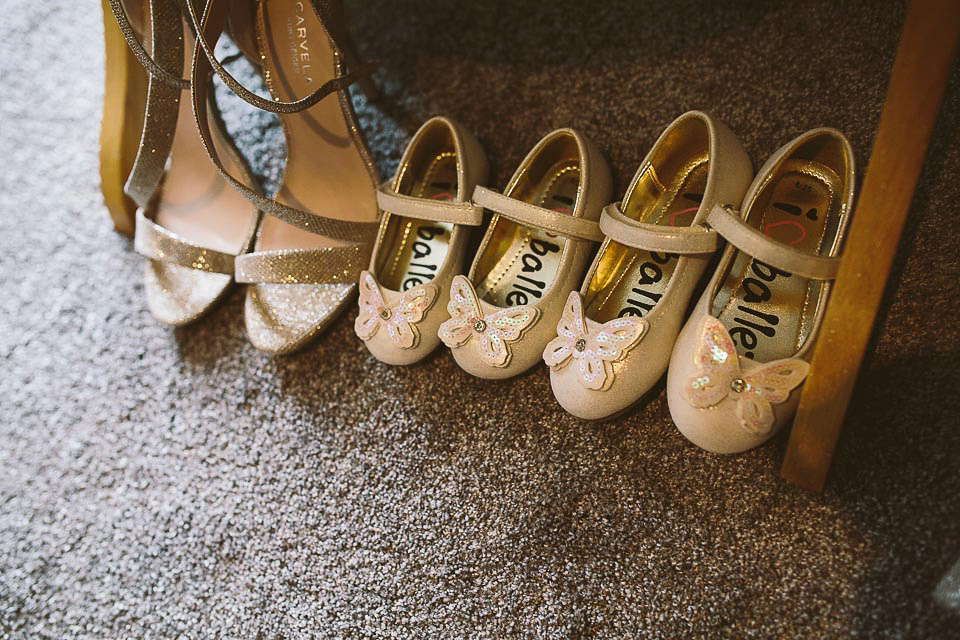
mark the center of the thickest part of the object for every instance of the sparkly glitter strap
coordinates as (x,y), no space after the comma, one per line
(157,243)
(210,26)
(656,237)
(158,70)
(530,214)
(162,100)
(360,232)
(727,222)
(325,265)
(425,209)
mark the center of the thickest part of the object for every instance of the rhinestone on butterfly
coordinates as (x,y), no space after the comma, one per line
(594,346)
(399,319)
(494,332)
(720,377)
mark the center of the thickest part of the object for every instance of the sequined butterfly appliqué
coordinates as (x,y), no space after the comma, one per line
(720,376)
(399,319)
(494,332)
(594,346)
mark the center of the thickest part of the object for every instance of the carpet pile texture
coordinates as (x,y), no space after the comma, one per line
(159,483)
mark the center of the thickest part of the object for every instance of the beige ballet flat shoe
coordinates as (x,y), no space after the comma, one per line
(533,253)
(422,242)
(616,334)
(738,364)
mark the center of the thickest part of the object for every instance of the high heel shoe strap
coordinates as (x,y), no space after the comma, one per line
(210,27)
(324,265)
(360,232)
(153,241)
(162,12)
(164,89)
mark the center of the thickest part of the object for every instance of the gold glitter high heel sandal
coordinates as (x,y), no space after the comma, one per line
(317,237)
(189,224)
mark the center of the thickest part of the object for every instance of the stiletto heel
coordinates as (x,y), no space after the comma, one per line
(124,100)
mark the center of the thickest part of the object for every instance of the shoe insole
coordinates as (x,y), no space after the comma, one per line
(769,312)
(529,257)
(193,200)
(325,172)
(630,281)
(416,249)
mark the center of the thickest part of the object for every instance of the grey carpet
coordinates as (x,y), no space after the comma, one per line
(161,484)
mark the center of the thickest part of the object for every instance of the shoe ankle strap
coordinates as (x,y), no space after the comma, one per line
(210,26)
(656,237)
(452,211)
(358,232)
(538,217)
(162,14)
(728,222)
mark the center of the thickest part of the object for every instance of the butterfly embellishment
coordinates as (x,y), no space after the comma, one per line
(592,345)
(721,377)
(399,319)
(493,332)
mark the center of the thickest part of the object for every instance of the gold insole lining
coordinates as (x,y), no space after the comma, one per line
(652,275)
(423,244)
(529,263)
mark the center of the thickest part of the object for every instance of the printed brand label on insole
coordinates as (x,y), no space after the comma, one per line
(764,315)
(299,43)
(752,322)
(651,275)
(528,284)
(643,297)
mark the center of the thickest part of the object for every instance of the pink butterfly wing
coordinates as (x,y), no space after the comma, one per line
(594,372)
(463,309)
(611,340)
(503,326)
(775,380)
(509,324)
(408,311)
(767,385)
(569,329)
(370,301)
(717,363)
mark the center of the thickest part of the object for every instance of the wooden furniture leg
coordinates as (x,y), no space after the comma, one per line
(917,83)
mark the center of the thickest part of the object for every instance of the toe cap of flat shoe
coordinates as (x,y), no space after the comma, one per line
(179,295)
(281,318)
(718,428)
